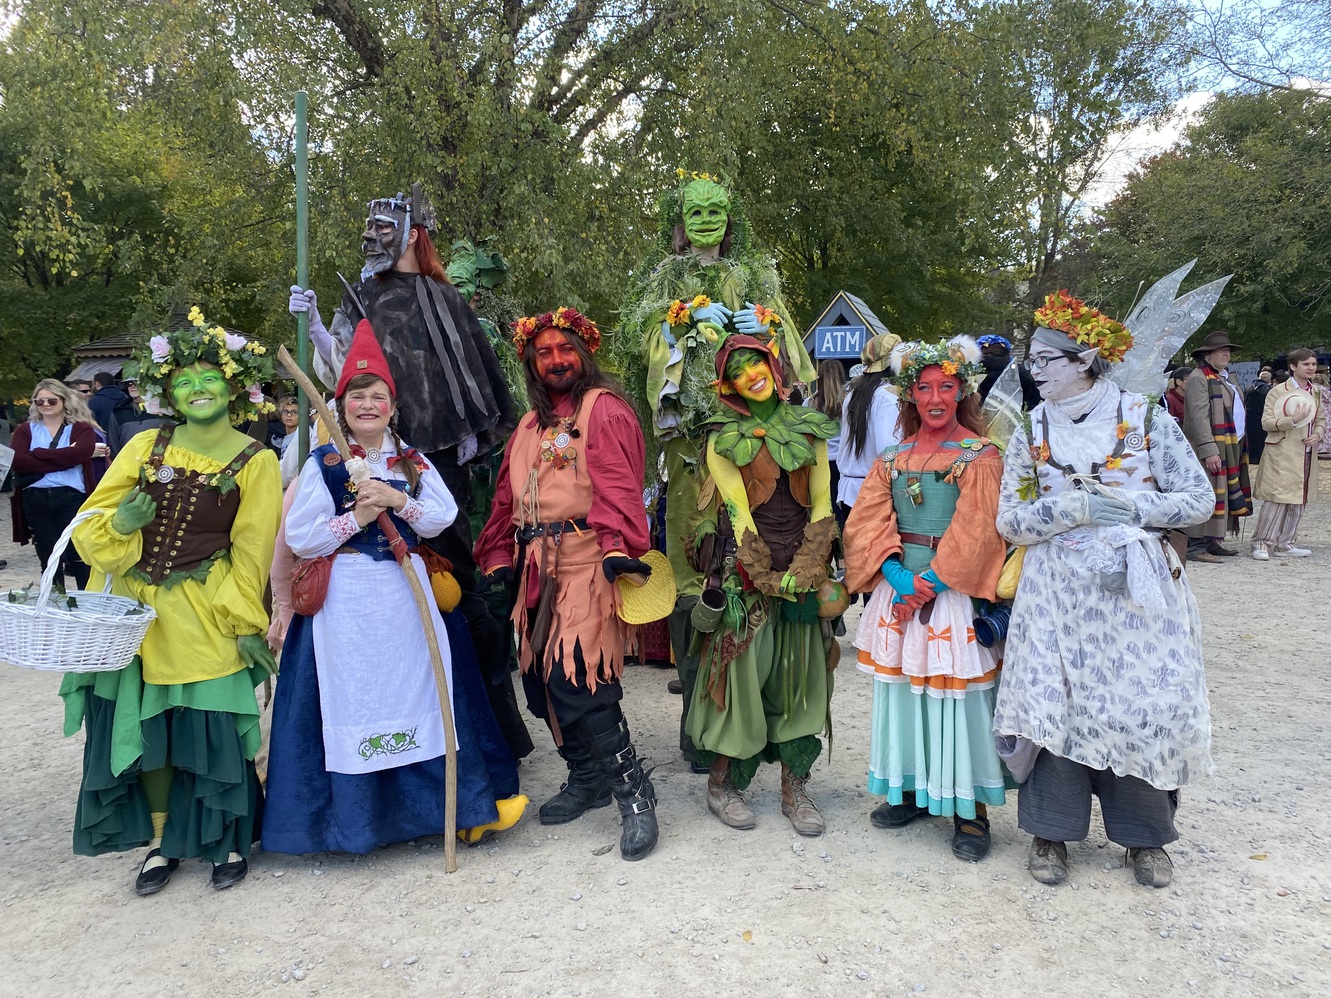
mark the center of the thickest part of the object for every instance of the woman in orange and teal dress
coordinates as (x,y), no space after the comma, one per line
(921,539)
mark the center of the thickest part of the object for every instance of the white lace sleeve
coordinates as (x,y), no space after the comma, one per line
(1185,495)
(1027,521)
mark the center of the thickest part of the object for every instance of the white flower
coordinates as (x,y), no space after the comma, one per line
(161,348)
(234,342)
(256,393)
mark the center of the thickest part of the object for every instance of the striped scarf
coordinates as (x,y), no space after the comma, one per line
(1233,494)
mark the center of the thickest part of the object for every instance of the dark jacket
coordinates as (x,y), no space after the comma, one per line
(112,406)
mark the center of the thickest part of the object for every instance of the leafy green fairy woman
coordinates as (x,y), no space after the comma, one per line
(764,687)
(186,524)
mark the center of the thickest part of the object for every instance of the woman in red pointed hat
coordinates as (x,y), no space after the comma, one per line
(357,757)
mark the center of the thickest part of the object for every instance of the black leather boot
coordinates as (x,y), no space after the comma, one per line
(588,786)
(632,788)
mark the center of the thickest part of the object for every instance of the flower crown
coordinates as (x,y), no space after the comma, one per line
(958,357)
(1086,326)
(244,363)
(526,328)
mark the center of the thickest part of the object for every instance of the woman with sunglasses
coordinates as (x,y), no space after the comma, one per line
(53,471)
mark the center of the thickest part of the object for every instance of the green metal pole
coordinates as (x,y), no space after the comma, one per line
(302,269)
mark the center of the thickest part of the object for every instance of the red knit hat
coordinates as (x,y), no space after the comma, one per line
(365,357)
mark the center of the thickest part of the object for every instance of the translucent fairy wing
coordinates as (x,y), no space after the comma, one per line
(1160,325)
(1002,409)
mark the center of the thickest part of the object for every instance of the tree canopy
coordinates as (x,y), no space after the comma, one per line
(930,156)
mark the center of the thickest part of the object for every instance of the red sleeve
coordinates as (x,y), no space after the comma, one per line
(42,460)
(494,548)
(615,459)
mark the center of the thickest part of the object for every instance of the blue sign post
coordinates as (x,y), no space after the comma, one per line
(840,342)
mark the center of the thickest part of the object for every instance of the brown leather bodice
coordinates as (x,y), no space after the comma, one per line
(195,511)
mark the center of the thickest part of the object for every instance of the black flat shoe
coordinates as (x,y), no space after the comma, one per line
(970,838)
(896,815)
(229,874)
(152,881)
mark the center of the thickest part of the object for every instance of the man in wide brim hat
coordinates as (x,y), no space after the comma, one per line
(1219,340)
(1213,421)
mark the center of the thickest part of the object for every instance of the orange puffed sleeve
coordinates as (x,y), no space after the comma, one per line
(970,555)
(871,532)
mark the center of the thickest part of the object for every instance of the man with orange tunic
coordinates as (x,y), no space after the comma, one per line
(566,522)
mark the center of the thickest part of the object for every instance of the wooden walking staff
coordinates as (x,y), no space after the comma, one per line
(399,548)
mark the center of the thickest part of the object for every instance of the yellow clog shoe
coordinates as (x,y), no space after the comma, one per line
(510,812)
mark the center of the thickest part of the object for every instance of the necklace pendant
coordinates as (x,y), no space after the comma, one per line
(373,455)
(915,490)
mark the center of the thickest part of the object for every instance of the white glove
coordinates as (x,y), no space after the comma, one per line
(304,300)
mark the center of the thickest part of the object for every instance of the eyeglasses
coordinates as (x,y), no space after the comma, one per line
(1041,362)
(45,402)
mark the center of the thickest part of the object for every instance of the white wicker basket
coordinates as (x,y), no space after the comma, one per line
(101,634)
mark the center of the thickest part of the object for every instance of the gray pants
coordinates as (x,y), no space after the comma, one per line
(681,636)
(1055,804)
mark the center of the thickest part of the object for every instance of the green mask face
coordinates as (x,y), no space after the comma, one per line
(200,393)
(706,213)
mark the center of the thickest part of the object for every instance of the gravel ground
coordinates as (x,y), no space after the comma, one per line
(554,911)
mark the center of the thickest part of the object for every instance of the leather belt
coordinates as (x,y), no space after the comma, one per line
(923,540)
(528,533)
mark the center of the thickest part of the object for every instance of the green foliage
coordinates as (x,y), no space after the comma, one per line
(906,151)
(1247,191)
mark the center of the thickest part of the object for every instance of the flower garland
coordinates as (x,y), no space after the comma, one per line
(243,362)
(1086,326)
(959,356)
(570,319)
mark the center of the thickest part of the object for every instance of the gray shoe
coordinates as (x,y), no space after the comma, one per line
(1152,867)
(1048,861)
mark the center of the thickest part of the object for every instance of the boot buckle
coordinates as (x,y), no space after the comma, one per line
(642,804)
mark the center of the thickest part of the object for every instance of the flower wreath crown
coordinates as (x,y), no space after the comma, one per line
(570,319)
(1086,326)
(958,357)
(243,362)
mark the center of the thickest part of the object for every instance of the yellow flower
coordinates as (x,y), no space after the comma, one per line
(196,317)
(700,301)
(1113,463)
(949,368)
(678,314)
(1122,430)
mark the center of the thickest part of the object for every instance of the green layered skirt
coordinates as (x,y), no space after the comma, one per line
(208,731)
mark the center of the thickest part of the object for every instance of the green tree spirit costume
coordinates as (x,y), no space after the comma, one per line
(697,217)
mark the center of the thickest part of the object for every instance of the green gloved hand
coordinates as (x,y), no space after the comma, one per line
(135,513)
(254,651)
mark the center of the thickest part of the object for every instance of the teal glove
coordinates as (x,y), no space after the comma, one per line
(938,584)
(898,577)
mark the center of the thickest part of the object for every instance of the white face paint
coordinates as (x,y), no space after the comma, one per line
(1056,374)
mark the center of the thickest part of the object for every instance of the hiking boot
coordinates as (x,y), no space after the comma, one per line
(1204,555)
(1048,861)
(724,800)
(1151,866)
(588,786)
(798,806)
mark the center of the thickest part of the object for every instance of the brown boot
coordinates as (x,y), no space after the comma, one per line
(798,806)
(723,800)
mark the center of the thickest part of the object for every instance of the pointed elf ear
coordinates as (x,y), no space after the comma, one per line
(1087,357)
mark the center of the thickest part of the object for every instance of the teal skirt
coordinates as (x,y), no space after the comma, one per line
(936,751)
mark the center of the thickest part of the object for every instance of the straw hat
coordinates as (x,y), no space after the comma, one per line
(651,600)
(877,353)
(1298,407)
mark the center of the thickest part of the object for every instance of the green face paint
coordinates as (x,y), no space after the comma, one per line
(200,393)
(706,210)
